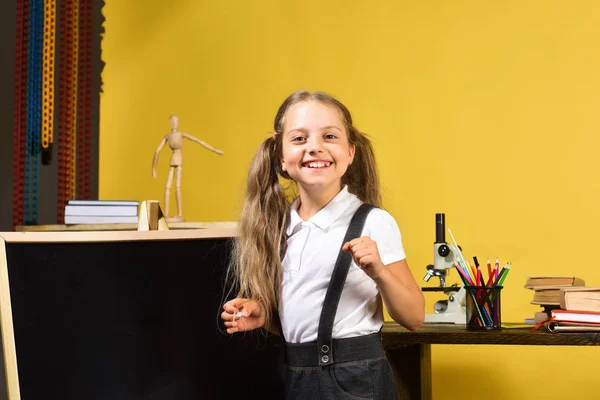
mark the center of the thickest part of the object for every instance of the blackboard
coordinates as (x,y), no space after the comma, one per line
(128,319)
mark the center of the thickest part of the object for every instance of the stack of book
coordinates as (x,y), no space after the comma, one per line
(101,211)
(579,311)
(568,305)
(546,292)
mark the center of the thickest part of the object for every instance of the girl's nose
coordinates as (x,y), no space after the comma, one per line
(315,145)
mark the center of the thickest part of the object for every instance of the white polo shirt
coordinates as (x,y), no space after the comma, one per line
(312,250)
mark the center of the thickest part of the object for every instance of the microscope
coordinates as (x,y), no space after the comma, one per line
(452,309)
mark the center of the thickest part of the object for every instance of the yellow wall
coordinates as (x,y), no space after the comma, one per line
(486,111)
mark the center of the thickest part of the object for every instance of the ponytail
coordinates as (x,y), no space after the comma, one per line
(362,177)
(261,241)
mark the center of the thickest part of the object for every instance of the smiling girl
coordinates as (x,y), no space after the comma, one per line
(317,270)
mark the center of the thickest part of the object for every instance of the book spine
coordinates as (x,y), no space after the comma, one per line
(101,210)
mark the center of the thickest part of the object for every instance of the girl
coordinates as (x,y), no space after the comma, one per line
(291,279)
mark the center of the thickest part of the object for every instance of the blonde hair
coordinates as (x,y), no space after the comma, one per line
(255,267)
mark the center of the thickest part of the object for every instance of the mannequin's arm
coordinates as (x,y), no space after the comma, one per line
(155,160)
(200,142)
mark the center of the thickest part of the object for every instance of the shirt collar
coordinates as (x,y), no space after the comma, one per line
(295,219)
(326,216)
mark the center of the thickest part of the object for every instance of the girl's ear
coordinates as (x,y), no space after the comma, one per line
(351,154)
(283,167)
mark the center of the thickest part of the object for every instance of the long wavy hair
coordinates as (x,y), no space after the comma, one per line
(255,269)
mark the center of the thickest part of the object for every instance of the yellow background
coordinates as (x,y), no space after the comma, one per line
(485,111)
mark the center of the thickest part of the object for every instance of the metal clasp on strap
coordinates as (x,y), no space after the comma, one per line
(325,354)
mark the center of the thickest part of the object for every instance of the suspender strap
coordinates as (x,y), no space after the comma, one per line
(336,285)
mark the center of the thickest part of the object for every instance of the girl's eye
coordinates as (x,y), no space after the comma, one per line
(330,136)
(298,139)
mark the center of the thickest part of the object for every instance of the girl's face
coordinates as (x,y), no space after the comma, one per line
(316,152)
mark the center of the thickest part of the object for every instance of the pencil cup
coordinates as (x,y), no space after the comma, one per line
(483,307)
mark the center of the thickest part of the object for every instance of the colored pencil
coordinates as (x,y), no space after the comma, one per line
(506,271)
(497,267)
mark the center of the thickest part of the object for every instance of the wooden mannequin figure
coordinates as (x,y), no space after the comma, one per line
(175,141)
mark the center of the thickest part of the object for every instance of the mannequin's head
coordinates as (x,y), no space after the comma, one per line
(174,121)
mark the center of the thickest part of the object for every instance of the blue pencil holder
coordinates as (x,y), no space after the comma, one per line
(483,307)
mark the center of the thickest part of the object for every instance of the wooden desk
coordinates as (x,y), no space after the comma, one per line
(410,352)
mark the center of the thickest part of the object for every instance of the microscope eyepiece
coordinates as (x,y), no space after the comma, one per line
(440,228)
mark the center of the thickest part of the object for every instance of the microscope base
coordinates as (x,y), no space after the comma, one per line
(446,318)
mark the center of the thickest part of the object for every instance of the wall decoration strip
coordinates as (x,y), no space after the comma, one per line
(48,80)
(20,111)
(67,108)
(84,101)
(34,111)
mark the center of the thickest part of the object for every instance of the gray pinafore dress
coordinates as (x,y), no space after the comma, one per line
(332,369)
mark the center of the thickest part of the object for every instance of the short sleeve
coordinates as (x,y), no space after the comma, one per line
(383,229)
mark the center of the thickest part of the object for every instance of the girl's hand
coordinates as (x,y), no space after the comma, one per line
(365,254)
(240,315)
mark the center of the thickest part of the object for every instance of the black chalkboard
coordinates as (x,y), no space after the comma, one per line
(131,320)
